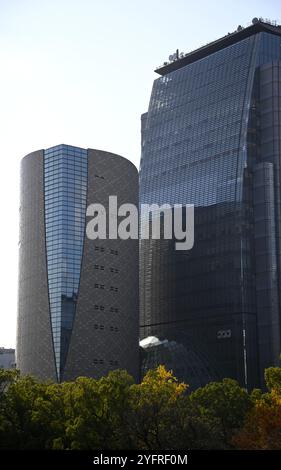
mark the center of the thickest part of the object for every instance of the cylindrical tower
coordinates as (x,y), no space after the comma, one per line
(78,298)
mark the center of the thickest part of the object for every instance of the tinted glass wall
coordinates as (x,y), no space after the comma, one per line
(65,183)
(195,150)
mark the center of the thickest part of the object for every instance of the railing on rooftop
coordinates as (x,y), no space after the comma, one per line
(177,56)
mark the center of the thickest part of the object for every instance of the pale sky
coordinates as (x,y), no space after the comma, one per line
(80,73)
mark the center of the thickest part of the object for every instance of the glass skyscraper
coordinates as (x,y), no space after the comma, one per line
(212,138)
(78,298)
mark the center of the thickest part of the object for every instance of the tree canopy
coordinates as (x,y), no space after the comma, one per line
(159,413)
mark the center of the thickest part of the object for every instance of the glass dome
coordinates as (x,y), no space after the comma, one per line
(187,364)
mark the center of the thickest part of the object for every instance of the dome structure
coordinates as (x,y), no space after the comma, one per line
(187,364)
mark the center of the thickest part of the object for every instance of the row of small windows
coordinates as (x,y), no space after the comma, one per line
(57,194)
(63,170)
(62,156)
(54,265)
(99,248)
(212,98)
(102,327)
(199,106)
(64,242)
(68,227)
(55,225)
(74,179)
(66,182)
(69,240)
(68,162)
(64,211)
(77,160)
(114,270)
(200,69)
(114,310)
(113,289)
(112,252)
(59,284)
(60,185)
(63,290)
(63,254)
(184,123)
(214,101)
(101,286)
(60,166)
(194,146)
(97,266)
(74,256)
(64,237)
(60,163)
(193,161)
(102,361)
(101,308)
(64,230)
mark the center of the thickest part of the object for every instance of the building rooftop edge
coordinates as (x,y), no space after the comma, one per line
(81,148)
(217,45)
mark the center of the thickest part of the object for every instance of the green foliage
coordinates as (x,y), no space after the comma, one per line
(225,399)
(16,408)
(272,377)
(115,413)
(153,409)
(256,395)
(96,412)
(262,425)
(227,402)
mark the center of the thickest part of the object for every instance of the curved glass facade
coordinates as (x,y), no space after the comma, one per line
(65,192)
(197,148)
(193,127)
(186,363)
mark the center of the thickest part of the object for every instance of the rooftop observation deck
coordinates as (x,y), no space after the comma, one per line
(180,60)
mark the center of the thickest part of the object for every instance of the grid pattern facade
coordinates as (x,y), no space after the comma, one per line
(199,146)
(267,212)
(65,180)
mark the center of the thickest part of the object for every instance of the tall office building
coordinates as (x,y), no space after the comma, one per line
(78,298)
(212,138)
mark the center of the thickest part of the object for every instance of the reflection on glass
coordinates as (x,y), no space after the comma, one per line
(65,178)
